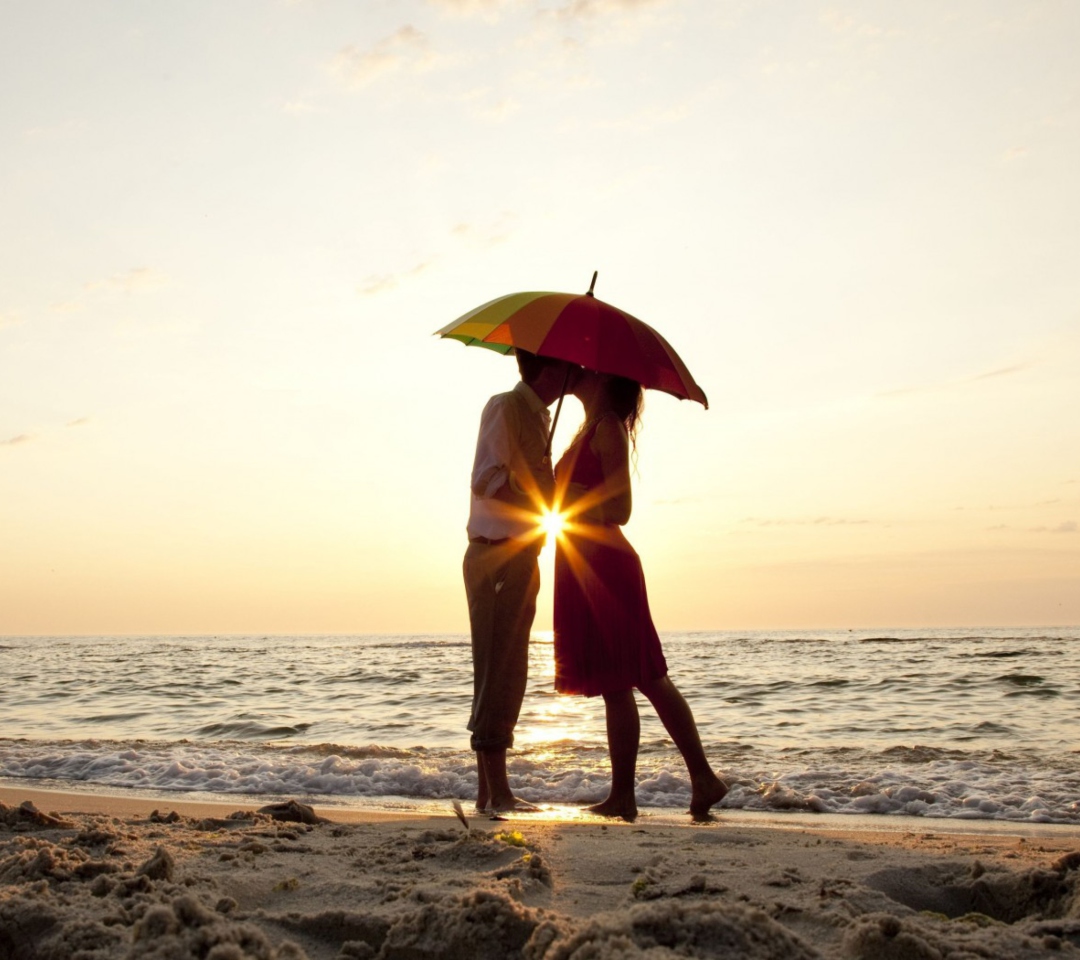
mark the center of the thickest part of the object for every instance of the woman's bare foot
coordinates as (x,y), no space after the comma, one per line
(622,809)
(702,797)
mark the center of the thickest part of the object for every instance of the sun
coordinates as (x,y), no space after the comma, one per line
(551,523)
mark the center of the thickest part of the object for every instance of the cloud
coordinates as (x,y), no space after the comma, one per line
(480,103)
(953,384)
(127,282)
(807,522)
(130,281)
(468,8)
(59,131)
(16,441)
(649,118)
(999,372)
(482,236)
(588,9)
(9,320)
(380,283)
(678,501)
(299,106)
(560,40)
(1069,526)
(67,306)
(80,422)
(485,236)
(845,23)
(498,112)
(406,49)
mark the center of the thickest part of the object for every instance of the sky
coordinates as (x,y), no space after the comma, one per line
(229,231)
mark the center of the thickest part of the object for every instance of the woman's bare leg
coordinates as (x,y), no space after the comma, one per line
(706,788)
(623,734)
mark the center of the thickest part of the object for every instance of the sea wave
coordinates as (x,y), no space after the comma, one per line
(918,782)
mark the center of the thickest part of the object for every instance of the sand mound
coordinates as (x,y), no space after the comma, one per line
(956,890)
(172,887)
(662,930)
(26,816)
(481,925)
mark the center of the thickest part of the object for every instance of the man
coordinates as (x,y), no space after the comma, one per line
(512,483)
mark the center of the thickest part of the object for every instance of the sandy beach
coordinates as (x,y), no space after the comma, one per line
(93,876)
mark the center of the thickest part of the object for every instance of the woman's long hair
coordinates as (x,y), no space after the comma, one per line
(626,399)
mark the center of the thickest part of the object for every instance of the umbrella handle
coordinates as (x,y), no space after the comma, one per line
(558,410)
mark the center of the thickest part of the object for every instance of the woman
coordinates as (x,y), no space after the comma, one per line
(605,641)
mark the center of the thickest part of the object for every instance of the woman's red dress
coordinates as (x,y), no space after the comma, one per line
(604,635)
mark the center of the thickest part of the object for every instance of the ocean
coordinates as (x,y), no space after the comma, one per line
(958,724)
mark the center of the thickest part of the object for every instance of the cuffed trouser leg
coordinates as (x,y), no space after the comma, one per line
(501,583)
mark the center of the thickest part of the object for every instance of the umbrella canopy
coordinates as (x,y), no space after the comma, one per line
(582,330)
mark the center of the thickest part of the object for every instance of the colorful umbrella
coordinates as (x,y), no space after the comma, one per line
(582,330)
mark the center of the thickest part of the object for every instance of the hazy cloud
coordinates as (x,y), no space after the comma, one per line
(300,106)
(130,281)
(1069,526)
(485,236)
(583,9)
(16,441)
(406,49)
(842,22)
(1000,372)
(806,522)
(9,320)
(81,422)
(951,384)
(380,283)
(480,103)
(465,8)
(482,236)
(59,131)
(497,112)
(649,118)
(568,33)
(67,306)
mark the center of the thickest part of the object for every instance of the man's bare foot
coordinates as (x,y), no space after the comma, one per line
(703,796)
(616,807)
(511,805)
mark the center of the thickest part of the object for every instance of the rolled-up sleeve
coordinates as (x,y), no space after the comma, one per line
(495,447)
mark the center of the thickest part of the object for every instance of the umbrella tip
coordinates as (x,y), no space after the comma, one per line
(589,293)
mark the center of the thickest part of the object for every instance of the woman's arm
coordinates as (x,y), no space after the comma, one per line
(612,446)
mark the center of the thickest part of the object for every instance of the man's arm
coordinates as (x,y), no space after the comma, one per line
(500,472)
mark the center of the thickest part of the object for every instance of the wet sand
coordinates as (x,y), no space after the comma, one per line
(100,877)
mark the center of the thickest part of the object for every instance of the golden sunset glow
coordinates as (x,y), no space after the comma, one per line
(868,269)
(552,523)
(551,718)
